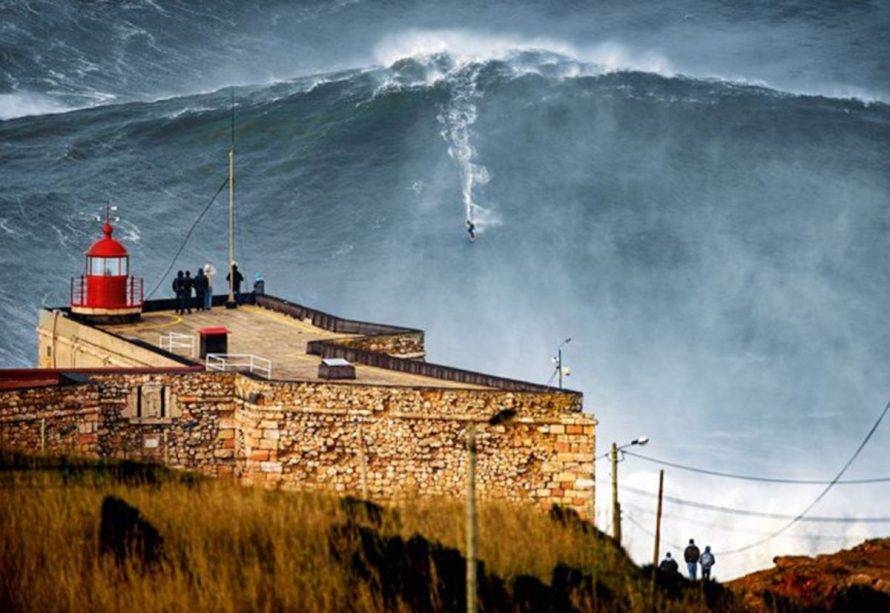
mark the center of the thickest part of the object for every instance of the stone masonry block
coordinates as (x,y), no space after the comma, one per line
(270,467)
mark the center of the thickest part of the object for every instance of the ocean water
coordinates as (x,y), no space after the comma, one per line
(697,193)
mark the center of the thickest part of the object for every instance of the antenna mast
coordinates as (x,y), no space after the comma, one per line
(231,301)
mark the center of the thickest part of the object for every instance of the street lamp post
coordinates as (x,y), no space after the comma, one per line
(616,506)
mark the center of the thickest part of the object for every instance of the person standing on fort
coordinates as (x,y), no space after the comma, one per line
(177,289)
(707,560)
(691,555)
(187,285)
(201,286)
(209,272)
(236,280)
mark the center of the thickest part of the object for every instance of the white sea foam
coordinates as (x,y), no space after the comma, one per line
(129,231)
(4,225)
(467,46)
(457,119)
(21,104)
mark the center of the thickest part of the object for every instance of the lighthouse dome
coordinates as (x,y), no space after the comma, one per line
(107,247)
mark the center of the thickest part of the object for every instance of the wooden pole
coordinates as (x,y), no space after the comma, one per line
(616,506)
(471,519)
(42,434)
(657,552)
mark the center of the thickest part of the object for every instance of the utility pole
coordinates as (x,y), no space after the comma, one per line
(559,365)
(616,507)
(231,302)
(471,518)
(656,553)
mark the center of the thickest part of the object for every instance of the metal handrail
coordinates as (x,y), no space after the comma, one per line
(223,362)
(174,340)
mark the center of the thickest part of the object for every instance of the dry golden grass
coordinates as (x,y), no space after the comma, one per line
(234,548)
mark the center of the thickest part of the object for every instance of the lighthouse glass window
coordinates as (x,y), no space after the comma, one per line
(113,267)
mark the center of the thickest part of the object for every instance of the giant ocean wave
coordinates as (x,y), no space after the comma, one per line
(715,247)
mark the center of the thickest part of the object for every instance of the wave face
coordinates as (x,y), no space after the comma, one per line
(716,249)
(58,55)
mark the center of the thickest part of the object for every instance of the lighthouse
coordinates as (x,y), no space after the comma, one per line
(106,292)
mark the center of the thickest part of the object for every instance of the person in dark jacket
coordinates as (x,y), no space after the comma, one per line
(178,290)
(187,285)
(201,286)
(237,280)
(669,565)
(691,554)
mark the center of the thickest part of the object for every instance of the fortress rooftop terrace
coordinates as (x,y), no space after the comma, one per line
(296,338)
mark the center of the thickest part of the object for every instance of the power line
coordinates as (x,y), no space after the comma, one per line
(716,473)
(748,513)
(716,526)
(800,516)
(648,531)
(186,240)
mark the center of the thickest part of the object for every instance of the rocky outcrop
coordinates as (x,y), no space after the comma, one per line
(856,579)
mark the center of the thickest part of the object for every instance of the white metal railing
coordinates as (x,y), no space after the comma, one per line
(173,341)
(239,361)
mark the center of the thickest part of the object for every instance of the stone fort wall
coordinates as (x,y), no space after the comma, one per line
(379,442)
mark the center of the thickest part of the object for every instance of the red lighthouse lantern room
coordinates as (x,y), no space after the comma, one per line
(106,292)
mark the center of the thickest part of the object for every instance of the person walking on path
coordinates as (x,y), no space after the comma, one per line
(178,290)
(669,565)
(201,290)
(707,560)
(209,272)
(187,284)
(236,280)
(691,555)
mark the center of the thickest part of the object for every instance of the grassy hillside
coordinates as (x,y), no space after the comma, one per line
(227,547)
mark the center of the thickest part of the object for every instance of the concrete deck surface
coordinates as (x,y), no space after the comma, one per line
(267,334)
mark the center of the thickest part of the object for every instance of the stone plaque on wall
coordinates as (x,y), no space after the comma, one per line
(152,400)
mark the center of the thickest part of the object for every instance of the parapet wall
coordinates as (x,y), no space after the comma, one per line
(65,342)
(382,442)
(382,338)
